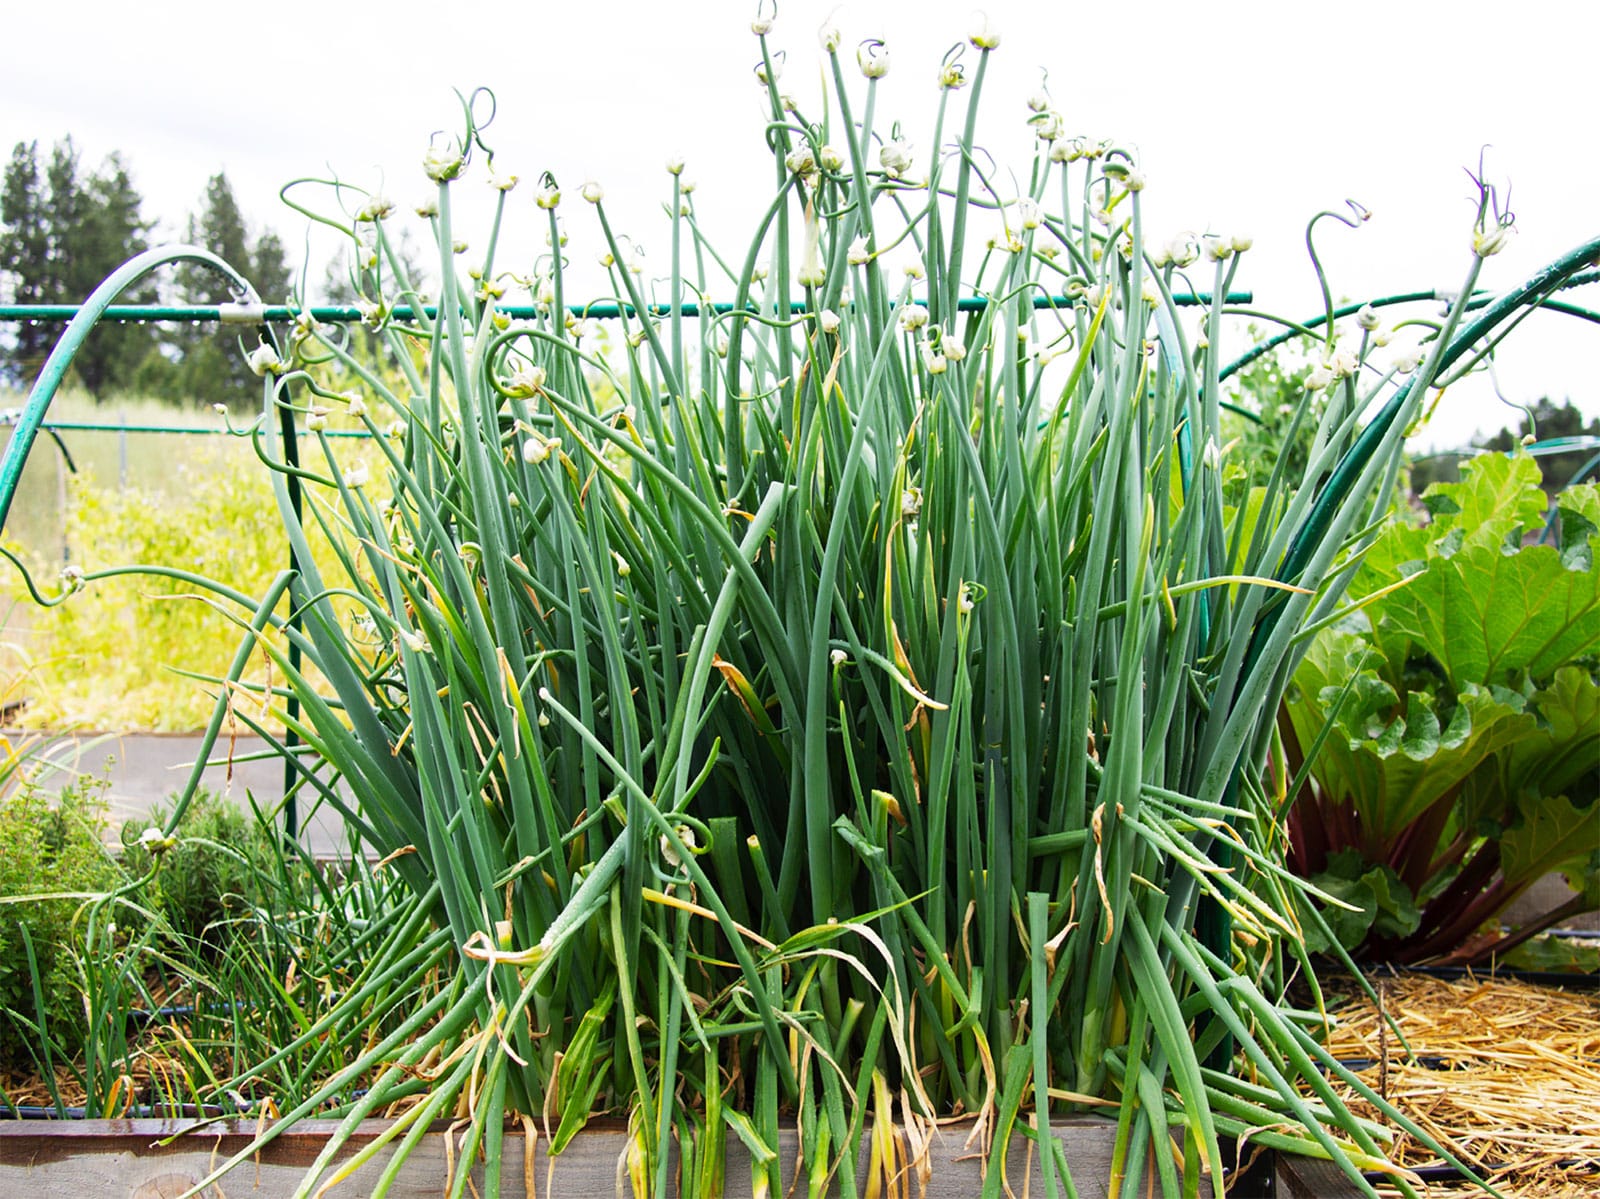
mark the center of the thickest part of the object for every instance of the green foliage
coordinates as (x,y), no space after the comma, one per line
(48,845)
(61,233)
(1464,754)
(110,657)
(214,872)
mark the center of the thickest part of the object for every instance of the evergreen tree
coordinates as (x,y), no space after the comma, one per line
(24,258)
(60,235)
(213,368)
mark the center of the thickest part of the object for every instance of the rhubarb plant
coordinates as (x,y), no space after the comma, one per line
(1452,718)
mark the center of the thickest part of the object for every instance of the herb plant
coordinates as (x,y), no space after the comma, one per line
(848,703)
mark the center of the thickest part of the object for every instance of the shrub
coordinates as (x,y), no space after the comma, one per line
(214,870)
(49,845)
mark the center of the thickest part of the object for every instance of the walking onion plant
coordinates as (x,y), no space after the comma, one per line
(851,704)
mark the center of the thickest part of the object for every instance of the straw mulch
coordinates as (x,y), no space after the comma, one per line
(1517,1092)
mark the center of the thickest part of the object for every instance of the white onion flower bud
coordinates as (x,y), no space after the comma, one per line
(895,158)
(502,183)
(872,56)
(592,192)
(761,26)
(912,317)
(1217,249)
(983,34)
(1038,102)
(355,405)
(858,254)
(830,37)
(264,360)
(1028,213)
(951,76)
(316,418)
(1319,378)
(527,380)
(443,163)
(828,321)
(932,359)
(1344,363)
(1050,127)
(356,477)
(953,350)
(376,208)
(675,166)
(1490,240)
(536,448)
(800,160)
(1407,361)
(830,160)
(428,208)
(1367,318)
(547,197)
(1241,242)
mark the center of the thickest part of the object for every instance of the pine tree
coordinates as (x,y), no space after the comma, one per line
(61,234)
(24,255)
(213,368)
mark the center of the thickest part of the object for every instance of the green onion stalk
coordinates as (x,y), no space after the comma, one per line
(853,708)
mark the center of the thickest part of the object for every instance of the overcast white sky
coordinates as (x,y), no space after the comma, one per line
(1248,115)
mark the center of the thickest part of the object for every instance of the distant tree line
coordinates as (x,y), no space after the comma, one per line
(63,229)
(1546,421)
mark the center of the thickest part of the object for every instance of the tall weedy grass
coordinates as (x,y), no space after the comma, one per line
(853,703)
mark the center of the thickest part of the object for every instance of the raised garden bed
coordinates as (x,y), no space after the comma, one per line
(159,1159)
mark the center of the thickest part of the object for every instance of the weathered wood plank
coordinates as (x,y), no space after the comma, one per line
(116,1158)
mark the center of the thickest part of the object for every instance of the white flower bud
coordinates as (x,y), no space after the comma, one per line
(984,35)
(1367,318)
(675,165)
(317,419)
(895,158)
(1134,180)
(838,658)
(536,448)
(1183,250)
(1241,242)
(1028,213)
(951,76)
(355,405)
(593,192)
(830,160)
(873,58)
(526,380)
(154,842)
(503,183)
(443,163)
(1344,364)
(375,209)
(72,577)
(1487,242)
(912,317)
(396,430)
(932,359)
(459,246)
(428,207)
(264,360)
(1038,102)
(220,409)
(623,569)
(1049,127)
(356,477)
(1319,378)
(830,37)
(953,350)
(547,197)
(415,642)
(800,160)
(828,320)
(1407,361)
(858,255)
(1217,249)
(761,26)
